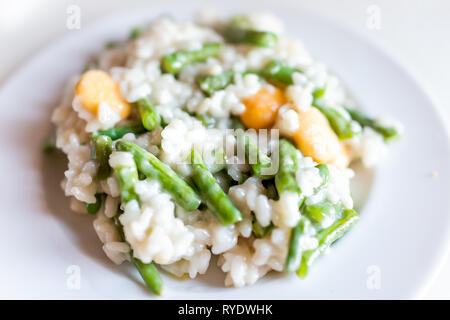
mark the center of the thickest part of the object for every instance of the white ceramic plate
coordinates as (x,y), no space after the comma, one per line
(398,243)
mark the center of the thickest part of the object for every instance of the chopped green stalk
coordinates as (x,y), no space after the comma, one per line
(176,61)
(323,213)
(294,256)
(343,126)
(215,198)
(148,271)
(150,275)
(285,178)
(127,177)
(49,144)
(388,133)
(256,158)
(213,83)
(279,73)
(207,121)
(326,238)
(119,132)
(92,208)
(134,33)
(318,93)
(170,181)
(239,33)
(149,116)
(102,149)
(236,123)
(324,174)
(259,231)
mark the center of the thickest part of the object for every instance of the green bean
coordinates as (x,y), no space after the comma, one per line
(149,116)
(215,198)
(127,177)
(257,159)
(148,271)
(176,61)
(49,144)
(388,133)
(279,73)
(239,31)
(259,231)
(92,208)
(134,33)
(294,255)
(323,211)
(150,275)
(119,132)
(326,238)
(170,181)
(343,126)
(102,149)
(212,83)
(285,178)
(207,121)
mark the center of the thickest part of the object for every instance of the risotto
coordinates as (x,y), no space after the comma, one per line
(220,137)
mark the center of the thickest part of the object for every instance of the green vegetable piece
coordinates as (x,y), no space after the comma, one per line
(323,212)
(102,149)
(92,208)
(388,133)
(49,144)
(259,231)
(207,121)
(326,238)
(149,116)
(324,174)
(256,158)
(279,73)
(215,198)
(127,177)
(341,125)
(213,83)
(285,178)
(119,132)
(176,61)
(294,255)
(150,275)
(135,33)
(239,31)
(170,181)
(318,93)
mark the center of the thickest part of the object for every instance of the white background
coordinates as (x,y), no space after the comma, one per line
(415,32)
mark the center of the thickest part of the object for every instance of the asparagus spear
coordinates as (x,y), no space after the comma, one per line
(92,208)
(388,133)
(343,126)
(256,158)
(212,83)
(134,33)
(279,73)
(127,176)
(174,62)
(325,210)
(259,231)
(207,121)
(239,31)
(326,238)
(171,182)
(294,255)
(148,271)
(149,116)
(119,132)
(285,178)
(101,149)
(324,174)
(49,144)
(215,198)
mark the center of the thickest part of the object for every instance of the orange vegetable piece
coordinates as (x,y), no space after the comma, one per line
(262,108)
(95,87)
(316,139)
